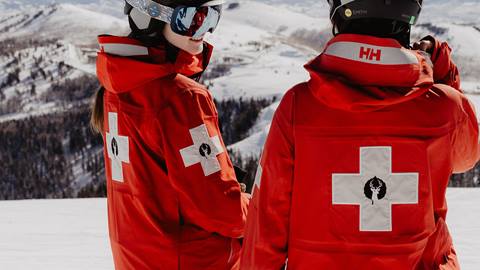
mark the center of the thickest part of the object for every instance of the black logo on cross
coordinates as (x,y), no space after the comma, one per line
(375,189)
(114,145)
(205,150)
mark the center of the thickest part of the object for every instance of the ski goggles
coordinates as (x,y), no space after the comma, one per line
(188,21)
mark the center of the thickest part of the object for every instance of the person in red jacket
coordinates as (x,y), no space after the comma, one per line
(357,162)
(173,198)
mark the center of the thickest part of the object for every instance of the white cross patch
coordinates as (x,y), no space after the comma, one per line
(117,148)
(375,189)
(204,150)
(258,177)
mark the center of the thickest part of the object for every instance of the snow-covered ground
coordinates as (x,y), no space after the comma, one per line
(72,234)
(464,223)
(54,235)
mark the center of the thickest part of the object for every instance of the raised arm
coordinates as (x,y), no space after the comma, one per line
(444,69)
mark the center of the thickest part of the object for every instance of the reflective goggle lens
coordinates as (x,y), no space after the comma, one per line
(195,21)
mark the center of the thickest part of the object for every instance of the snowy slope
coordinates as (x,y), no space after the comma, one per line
(278,67)
(457,11)
(436,11)
(291,33)
(261,36)
(54,235)
(72,234)
(102,6)
(261,44)
(64,21)
(47,45)
(464,223)
(252,145)
(40,67)
(271,38)
(274,18)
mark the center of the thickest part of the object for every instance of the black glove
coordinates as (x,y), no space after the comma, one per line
(241,174)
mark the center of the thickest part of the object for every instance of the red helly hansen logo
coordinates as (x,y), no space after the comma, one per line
(370,54)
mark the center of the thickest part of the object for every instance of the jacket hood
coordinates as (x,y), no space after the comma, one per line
(124,64)
(365,73)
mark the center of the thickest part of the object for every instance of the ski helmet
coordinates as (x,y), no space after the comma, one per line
(382,18)
(406,11)
(142,23)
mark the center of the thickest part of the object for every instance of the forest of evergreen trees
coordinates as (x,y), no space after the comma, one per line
(44,156)
(56,155)
(237,116)
(39,154)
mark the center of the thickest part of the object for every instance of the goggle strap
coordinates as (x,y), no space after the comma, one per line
(153,9)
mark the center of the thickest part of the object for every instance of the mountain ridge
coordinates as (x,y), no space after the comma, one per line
(47,67)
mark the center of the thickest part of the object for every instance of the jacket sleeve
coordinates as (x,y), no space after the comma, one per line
(466,149)
(198,165)
(444,70)
(267,230)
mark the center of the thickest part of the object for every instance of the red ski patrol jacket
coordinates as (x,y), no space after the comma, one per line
(356,165)
(173,198)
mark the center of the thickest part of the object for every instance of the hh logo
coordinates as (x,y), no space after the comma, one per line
(370,54)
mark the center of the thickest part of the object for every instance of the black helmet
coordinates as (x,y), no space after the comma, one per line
(172,3)
(406,11)
(383,18)
(144,26)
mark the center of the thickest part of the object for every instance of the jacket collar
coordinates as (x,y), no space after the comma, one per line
(357,72)
(124,64)
(367,60)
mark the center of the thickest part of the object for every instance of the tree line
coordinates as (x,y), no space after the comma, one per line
(56,155)
(40,154)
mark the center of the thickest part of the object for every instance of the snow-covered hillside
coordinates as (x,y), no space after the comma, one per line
(263,44)
(457,11)
(68,22)
(273,43)
(48,46)
(102,6)
(72,234)
(298,34)
(44,46)
(260,49)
